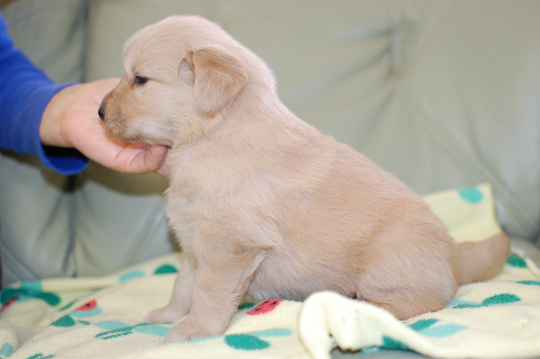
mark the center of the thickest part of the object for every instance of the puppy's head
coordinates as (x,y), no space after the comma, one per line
(180,74)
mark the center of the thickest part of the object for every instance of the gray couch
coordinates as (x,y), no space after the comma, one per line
(443,94)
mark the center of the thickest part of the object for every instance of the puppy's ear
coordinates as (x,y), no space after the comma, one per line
(219,78)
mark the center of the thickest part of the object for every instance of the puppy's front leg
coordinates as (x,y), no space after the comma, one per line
(221,280)
(180,302)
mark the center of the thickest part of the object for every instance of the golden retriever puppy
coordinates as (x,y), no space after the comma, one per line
(262,203)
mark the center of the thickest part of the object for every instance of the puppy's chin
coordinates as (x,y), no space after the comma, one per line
(135,132)
(116,128)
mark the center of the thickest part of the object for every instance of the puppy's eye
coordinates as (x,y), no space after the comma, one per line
(140,80)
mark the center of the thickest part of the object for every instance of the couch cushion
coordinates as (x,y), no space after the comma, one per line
(53,225)
(51,33)
(441,93)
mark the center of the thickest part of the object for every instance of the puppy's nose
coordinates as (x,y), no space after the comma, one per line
(101,113)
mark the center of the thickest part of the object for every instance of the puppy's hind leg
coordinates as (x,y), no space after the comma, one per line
(408,280)
(220,284)
(180,302)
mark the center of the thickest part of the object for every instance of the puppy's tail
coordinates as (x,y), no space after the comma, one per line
(480,261)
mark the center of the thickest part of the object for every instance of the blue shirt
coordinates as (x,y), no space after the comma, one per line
(25,91)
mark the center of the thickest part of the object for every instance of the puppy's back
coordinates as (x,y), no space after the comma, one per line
(359,231)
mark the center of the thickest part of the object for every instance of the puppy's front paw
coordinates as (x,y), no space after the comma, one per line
(165,314)
(191,329)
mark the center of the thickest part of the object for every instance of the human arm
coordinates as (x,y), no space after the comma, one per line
(71,120)
(25,91)
(59,123)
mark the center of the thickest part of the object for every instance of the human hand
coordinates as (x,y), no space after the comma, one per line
(71,120)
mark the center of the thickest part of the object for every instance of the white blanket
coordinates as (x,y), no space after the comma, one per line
(103,317)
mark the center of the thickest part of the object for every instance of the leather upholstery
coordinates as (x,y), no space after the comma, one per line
(441,93)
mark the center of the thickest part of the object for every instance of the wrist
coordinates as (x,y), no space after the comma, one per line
(50,129)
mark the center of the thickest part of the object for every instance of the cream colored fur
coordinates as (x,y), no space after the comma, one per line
(262,203)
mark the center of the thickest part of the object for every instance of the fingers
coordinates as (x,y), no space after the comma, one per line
(139,158)
(163,170)
(155,158)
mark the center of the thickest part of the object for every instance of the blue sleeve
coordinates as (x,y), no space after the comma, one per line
(25,91)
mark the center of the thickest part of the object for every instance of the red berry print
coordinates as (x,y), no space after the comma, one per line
(8,303)
(88,306)
(265,307)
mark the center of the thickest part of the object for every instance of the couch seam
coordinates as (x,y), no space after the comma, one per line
(422,38)
(478,170)
(470,161)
